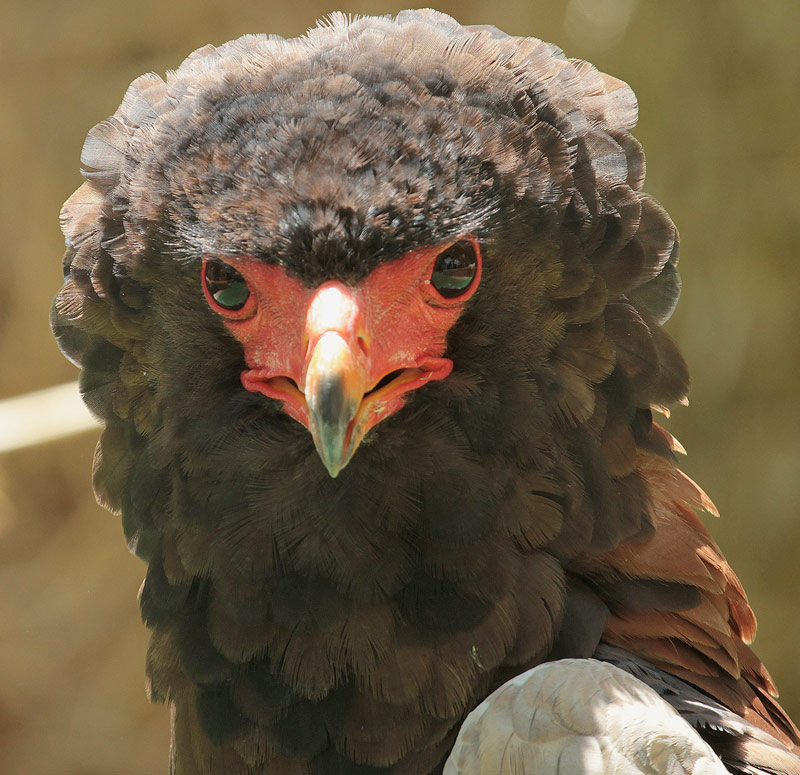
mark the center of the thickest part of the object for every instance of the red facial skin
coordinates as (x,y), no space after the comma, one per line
(295,338)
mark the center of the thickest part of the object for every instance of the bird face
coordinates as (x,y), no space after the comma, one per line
(342,357)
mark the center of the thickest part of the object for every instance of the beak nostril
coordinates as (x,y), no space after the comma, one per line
(363,345)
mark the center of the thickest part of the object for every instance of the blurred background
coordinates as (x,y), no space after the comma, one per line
(718,84)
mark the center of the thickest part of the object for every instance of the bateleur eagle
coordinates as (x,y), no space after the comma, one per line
(373,319)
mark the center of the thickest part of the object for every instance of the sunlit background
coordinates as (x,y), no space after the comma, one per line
(718,84)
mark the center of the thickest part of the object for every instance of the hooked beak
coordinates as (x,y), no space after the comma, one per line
(334,389)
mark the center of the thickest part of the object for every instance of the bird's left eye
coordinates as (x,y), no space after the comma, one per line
(455,269)
(225,285)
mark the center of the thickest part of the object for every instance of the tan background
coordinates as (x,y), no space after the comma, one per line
(718,83)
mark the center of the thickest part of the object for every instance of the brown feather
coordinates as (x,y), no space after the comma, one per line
(524,508)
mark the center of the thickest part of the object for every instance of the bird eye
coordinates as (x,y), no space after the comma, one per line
(225,285)
(455,269)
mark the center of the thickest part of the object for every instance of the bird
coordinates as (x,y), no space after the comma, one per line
(373,320)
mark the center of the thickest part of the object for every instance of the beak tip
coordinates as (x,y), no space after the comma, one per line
(330,448)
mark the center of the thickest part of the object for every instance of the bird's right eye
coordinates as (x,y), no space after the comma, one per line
(224,285)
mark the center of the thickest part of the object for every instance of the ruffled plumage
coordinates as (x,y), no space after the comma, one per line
(524,508)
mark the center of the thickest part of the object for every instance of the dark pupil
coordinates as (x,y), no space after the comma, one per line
(225,285)
(455,269)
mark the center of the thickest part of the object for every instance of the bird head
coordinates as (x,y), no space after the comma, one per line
(334,257)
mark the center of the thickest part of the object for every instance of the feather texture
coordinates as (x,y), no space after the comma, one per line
(522,509)
(578,717)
